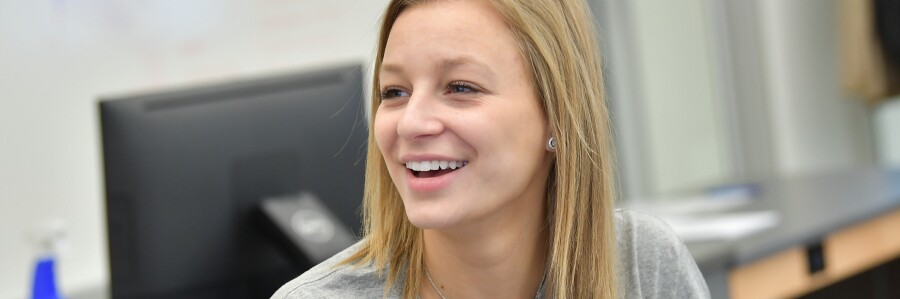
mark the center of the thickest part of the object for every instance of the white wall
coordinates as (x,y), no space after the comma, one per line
(680,118)
(57,57)
(887,132)
(679,87)
(815,127)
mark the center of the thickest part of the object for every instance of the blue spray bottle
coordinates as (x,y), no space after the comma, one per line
(44,286)
(44,283)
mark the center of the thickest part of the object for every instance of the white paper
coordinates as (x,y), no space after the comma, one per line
(727,226)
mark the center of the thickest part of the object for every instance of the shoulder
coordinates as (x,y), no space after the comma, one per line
(331,279)
(653,261)
(637,226)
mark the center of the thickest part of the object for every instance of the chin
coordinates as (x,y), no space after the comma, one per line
(434,217)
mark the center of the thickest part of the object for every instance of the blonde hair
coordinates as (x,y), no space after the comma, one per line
(558,41)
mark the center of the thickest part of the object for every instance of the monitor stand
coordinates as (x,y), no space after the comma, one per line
(306,228)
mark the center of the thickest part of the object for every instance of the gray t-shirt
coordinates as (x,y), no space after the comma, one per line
(653,263)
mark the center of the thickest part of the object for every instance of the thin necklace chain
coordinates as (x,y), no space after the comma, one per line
(432,283)
(441,294)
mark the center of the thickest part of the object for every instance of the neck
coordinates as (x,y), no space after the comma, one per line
(503,257)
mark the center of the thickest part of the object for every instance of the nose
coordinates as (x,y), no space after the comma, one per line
(420,118)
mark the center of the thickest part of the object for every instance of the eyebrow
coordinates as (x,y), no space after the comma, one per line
(445,65)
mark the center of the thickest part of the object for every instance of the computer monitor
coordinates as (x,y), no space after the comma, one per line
(185,172)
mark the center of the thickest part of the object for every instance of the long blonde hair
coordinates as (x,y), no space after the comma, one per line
(558,41)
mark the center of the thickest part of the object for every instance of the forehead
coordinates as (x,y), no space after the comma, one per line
(451,32)
(453,14)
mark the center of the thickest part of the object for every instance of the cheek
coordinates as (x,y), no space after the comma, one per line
(385,131)
(515,129)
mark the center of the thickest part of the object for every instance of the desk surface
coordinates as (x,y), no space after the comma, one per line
(810,208)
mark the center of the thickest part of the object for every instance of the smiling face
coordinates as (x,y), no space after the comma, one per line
(458,101)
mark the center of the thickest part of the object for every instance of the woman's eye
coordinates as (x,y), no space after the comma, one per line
(391,92)
(461,87)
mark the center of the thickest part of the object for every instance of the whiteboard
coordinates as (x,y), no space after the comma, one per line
(58,56)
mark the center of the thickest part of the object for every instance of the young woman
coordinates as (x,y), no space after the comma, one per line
(490,168)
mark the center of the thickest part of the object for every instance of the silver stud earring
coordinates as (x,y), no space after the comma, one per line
(551,144)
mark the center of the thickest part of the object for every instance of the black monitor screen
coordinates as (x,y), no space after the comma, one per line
(185,172)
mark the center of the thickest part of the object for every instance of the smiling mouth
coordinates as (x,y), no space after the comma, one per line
(430,169)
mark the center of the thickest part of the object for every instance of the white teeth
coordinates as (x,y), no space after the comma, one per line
(434,165)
